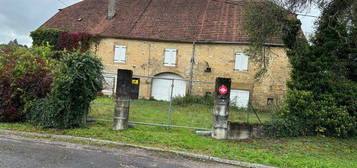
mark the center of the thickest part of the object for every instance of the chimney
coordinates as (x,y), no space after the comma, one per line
(111,8)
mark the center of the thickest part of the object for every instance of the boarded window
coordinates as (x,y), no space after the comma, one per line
(241,62)
(170,57)
(119,54)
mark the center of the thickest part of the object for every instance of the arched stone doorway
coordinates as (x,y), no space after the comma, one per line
(161,88)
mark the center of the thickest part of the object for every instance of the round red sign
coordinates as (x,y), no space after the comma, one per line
(223,90)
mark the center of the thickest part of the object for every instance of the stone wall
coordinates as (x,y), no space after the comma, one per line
(147,57)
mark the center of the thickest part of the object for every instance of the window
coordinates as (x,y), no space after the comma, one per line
(241,62)
(170,57)
(119,54)
(270,101)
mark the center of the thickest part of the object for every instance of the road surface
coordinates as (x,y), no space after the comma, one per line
(19,152)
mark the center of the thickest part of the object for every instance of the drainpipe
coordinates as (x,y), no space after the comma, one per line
(191,68)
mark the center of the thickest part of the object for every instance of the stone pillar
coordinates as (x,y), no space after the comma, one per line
(221,105)
(123,91)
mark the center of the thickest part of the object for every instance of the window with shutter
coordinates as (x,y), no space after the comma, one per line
(241,62)
(170,57)
(119,54)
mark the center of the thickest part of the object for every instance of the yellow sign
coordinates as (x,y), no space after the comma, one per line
(135,82)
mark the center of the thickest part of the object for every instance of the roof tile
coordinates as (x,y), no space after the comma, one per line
(176,20)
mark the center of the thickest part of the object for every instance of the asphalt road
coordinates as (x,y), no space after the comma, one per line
(19,152)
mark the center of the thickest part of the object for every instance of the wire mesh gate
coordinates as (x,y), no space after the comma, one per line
(170,106)
(178,110)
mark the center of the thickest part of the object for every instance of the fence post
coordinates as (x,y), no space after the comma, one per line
(221,105)
(123,91)
(171,96)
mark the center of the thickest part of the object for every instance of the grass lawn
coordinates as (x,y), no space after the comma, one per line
(286,152)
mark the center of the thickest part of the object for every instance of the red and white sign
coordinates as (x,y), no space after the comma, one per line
(223,90)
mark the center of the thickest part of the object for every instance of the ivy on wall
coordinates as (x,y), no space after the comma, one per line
(62,40)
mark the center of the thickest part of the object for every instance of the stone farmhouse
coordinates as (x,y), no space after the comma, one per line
(181,39)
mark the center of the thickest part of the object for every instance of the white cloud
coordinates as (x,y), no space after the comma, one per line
(19,17)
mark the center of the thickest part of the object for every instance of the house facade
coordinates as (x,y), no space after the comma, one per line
(196,40)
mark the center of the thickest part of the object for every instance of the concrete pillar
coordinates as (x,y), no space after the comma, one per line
(123,93)
(222,93)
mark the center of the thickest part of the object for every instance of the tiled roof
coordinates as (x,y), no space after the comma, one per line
(174,20)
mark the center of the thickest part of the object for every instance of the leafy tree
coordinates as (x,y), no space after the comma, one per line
(13,43)
(323,90)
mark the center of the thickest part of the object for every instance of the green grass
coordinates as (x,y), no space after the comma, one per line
(299,152)
(286,152)
(194,115)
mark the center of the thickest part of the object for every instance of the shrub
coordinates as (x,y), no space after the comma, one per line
(75,85)
(188,100)
(25,74)
(303,116)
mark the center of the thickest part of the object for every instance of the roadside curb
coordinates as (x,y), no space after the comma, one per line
(192,155)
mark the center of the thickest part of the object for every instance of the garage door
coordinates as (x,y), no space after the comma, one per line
(239,98)
(161,88)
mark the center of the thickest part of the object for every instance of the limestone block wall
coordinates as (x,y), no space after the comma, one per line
(147,58)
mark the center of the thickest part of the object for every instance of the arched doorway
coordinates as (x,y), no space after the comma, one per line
(161,88)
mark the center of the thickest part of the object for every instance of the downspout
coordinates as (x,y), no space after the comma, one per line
(191,68)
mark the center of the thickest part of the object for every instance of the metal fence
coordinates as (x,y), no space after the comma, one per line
(178,110)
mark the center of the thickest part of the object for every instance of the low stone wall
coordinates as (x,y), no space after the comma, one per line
(244,130)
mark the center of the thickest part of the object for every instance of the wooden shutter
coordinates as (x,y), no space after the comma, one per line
(241,62)
(170,57)
(120,54)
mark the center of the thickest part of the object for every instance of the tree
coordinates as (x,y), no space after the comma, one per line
(323,90)
(13,43)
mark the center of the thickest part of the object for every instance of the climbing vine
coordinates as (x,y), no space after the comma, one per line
(62,40)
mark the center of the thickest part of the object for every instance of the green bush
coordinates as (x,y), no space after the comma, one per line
(75,85)
(25,75)
(304,116)
(188,100)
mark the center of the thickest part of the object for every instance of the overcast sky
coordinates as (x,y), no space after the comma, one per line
(19,17)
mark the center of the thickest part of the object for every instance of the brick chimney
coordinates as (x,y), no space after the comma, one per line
(111,8)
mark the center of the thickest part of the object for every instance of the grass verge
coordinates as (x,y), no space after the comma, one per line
(298,152)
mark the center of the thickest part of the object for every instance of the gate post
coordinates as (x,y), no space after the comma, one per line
(123,93)
(221,105)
